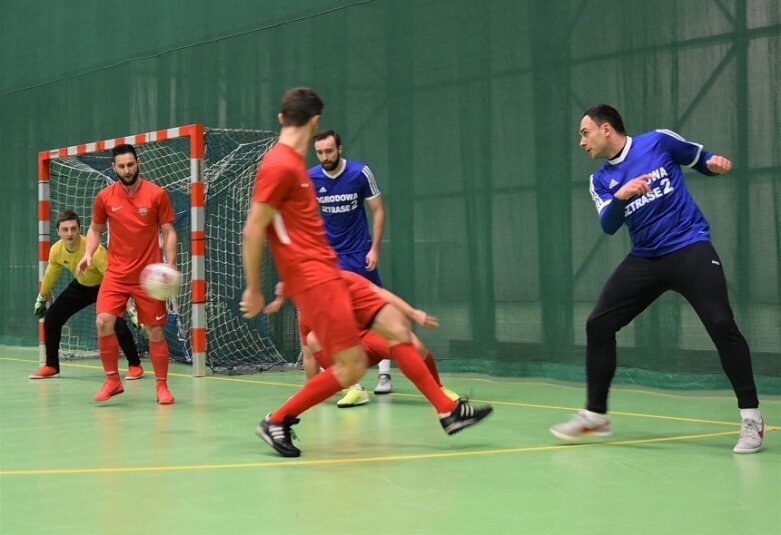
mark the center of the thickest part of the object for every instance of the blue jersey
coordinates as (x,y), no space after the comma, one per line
(341,198)
(666,218)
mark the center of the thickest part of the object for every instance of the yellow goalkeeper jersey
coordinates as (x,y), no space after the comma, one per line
(60,256)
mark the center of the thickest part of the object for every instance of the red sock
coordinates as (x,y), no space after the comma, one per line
(319,388)
(108,348)
(158,354)
(408,361)
(431,364)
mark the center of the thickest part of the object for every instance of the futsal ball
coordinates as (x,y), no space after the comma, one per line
(161,281)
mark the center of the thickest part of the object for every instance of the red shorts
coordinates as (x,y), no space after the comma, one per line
(366,304)
(376,348)
(113,296)
(326,310)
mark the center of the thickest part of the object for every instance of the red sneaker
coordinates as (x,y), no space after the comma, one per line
(164,396)
(110,388)
(134,372)
(45,372)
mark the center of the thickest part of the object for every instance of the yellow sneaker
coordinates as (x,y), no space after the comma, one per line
(355,396)
(449,393)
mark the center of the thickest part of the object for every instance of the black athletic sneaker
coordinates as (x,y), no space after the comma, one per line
(463,416)
(278,436)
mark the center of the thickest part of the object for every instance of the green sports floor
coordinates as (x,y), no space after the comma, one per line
(69,465)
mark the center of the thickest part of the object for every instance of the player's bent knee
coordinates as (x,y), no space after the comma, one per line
(155,333)
(105,324)
(597,328)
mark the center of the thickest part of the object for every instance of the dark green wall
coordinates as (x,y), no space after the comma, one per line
(468,114)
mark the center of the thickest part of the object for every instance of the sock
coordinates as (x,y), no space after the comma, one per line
(158,354)
(408,361)
(384,367)
(108,348)
(751,414)
(431,364)
(319,388)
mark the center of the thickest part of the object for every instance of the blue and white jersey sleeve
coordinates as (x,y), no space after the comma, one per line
(369,188)
(685,153)
(599,192)
(665,218)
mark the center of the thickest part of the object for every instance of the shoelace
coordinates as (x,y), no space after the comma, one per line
(750,429)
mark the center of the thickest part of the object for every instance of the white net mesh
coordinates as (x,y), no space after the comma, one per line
(234,345)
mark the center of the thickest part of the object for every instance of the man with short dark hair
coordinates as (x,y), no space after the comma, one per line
(284,207)
(139,214)
(81,292)
(343,187)
(642,185)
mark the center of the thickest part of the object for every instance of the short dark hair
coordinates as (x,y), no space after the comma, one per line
(124,148)
(299,105)
(67,215)
(603,113)
(324,134)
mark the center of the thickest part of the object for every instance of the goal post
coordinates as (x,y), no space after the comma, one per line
(208,174)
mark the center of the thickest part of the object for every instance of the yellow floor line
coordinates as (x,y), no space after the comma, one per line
(419,396)
(390,458)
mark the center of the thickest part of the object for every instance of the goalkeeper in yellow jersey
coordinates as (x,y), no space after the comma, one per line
(81,292)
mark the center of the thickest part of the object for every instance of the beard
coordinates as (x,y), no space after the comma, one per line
(129,181)
(332,166)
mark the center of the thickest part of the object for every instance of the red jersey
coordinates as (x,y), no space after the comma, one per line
(296,236)
(133,226)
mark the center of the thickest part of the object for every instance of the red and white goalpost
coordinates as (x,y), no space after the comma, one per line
(189,162)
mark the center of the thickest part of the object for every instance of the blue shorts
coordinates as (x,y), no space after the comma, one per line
(356,262)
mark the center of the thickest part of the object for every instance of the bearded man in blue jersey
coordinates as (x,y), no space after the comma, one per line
(342,187)
(642,186)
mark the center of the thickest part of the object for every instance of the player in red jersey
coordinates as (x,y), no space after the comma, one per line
(138,212)
(284,207)
(383,331)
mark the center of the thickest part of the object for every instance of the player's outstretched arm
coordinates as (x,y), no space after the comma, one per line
(418,317)
(253,240)
(718,164)
(50,276)
(274,306)
(93,240)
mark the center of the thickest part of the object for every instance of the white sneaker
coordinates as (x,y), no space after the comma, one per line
(751,434)
(384,385)
(584,423)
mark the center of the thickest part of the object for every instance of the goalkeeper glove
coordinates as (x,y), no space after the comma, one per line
(40,307)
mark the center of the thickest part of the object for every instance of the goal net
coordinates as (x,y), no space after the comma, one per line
(208,217)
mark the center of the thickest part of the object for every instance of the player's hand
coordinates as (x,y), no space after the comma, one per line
(637,186)
(371,260)
(251,303)
(40,307)
(274,306)
(424,320)
(718,164)
(83,264)
(279,289)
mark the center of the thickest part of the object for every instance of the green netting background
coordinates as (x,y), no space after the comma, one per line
(468,114)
